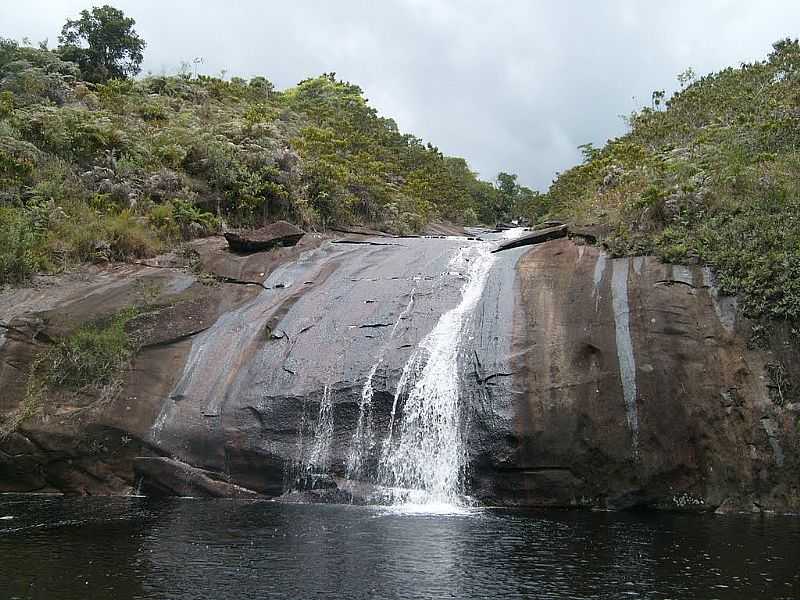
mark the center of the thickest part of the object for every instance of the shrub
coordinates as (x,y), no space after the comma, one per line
(181,219)
(73,134)
(91,358)
(93,355)
(34,85)
(18,160)
(192,221)
(86,235)
(18,245)
(153,111)
(6,104)
(713,177)
(128,236)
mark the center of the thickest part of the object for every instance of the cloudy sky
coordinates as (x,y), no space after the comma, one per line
(514,85)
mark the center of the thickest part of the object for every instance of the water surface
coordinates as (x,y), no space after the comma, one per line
(119,548)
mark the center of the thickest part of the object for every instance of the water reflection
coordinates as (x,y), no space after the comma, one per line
(50,550)
(138,548)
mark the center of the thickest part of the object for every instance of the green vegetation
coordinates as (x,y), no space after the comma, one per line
(97,166)
(93,355)
(91,359)
(103,43)
(713,177)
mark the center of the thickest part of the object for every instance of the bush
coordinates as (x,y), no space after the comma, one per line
(91,358)
(18,246)
(86,235)
(153,111)
(18,160)
(181,219)
(74,134)
(93,355)
(128,236)
(118,168)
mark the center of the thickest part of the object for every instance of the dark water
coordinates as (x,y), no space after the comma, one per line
(137,548)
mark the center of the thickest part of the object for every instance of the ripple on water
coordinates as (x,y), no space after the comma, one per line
(150,549)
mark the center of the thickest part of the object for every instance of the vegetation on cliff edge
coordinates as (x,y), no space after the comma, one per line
(710,175)
(95,165)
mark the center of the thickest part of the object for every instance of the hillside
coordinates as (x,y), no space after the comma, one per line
(125,168)
(712,175)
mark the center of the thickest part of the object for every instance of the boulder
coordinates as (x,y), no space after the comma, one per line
(590,234)
(162,476)
(535,237)
(280,233)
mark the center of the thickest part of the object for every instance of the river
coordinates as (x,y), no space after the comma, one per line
(120,548)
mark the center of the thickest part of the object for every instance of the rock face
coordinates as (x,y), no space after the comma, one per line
(535,237)
(280,233)
(633,386)
(584,381)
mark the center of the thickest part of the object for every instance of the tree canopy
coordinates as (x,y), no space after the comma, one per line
(103,43)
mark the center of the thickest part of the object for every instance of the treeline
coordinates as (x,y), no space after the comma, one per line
(97,165)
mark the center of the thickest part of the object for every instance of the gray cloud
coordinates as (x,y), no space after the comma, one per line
(512,85)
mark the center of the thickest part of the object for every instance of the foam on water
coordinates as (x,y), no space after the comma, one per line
(426,507)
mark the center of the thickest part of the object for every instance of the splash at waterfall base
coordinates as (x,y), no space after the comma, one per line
(419,371)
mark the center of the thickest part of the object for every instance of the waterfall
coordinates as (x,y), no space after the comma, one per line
(319,457)
(312,459)
(424,462)
(364,438)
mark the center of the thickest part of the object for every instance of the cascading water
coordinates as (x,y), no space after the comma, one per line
(319,457)
(312,459)
(364,438)
(423,461)
(420,462)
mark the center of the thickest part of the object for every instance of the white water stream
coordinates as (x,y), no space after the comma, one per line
(319,457)
(422,457)
(364,437)
(423,461)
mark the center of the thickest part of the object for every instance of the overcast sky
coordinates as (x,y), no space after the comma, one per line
(509,85)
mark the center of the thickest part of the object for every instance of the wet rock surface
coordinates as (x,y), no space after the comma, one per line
(585,381)
(537,236)
(634,386)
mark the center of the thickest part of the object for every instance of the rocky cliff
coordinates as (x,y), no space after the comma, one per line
(582,380)
(634,385)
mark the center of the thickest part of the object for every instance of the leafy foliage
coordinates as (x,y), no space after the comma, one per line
(90,359)
(18,246)
(103,43)
(112,168)
(91,355)
(714,177)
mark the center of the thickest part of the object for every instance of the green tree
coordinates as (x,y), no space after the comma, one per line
(103,43)
(509,190)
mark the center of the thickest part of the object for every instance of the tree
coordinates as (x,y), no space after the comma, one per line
(786,56)
(657,97)
(686,77)
(103,43)
(509,190)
